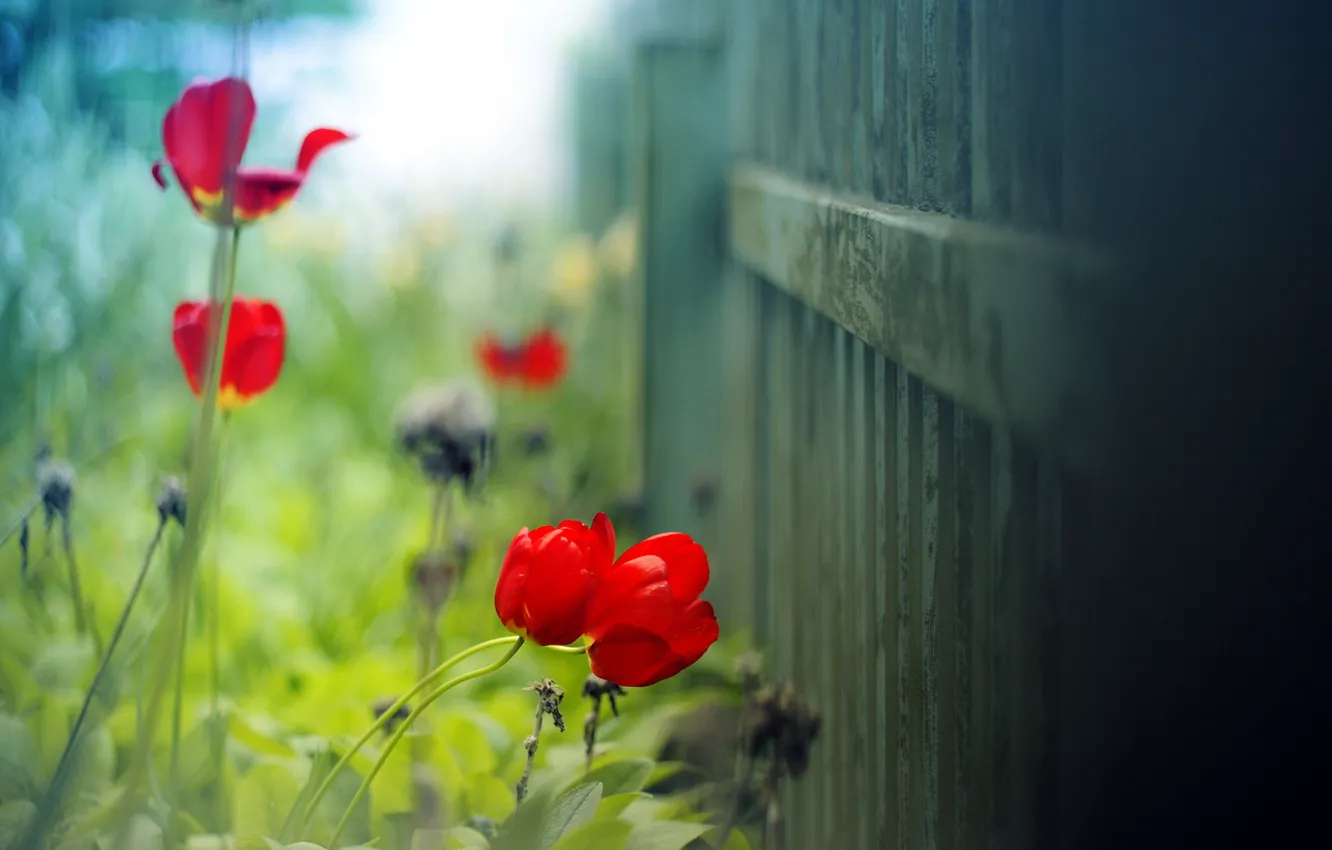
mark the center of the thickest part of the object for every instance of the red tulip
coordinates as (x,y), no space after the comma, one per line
(645,623)
(205,134)
(251,358)
(547,577)
(537,362)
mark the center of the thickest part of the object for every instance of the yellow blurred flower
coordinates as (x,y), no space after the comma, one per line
(328,238)
(574,270)
(618,250)
(400,268)
(283,233)
(438,230)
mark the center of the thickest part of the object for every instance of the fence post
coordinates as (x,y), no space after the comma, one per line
(600,126)
(679,157)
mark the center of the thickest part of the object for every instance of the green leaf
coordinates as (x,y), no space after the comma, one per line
(14,818)
(208,842)
(597,835)
(18,757)
(571,810)
(484,794)
(620,777)
(736,841)
(462,838)
(664,835)
(257,742)
(264,796)
(614,805)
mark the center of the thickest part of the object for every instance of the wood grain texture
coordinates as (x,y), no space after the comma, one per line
(906,373)
(996,319)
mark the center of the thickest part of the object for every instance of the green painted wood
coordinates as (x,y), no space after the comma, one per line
(900,350)
(600,92)
(1000,320)
(680,153)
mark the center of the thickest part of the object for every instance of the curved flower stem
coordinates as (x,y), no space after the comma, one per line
(392,710)
(406,724)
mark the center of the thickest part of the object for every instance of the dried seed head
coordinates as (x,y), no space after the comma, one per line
(508,244)
(55,483)
(433,576)
(461,549)
(449,429)
(704,491)
(783,721)
(382,705)
(626,509)
(551,695)
(749,669)
(483,825)
(536,441)
(595,687)
(171,501)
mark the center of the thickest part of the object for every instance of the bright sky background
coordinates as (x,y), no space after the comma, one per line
(449,97)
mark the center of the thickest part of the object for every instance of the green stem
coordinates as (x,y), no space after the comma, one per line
(392,710)
(81,618)
(52,802)
(177,706)
(185,564)
(406,724)
(218,730)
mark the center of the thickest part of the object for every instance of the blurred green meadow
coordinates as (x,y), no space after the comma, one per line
(320,518)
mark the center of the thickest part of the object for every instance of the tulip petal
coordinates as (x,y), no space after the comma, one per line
(605,547)
(316,142)
(261,192)
(686,562)
(694,631)
(205,133)
(633,657)
(256,342)
(557,588)
(513,581)
(189,336)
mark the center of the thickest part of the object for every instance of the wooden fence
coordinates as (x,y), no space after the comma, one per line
(862,319)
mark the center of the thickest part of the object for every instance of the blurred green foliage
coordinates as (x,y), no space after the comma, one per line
(319,518)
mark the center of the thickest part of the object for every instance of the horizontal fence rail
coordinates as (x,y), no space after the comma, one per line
(998,320)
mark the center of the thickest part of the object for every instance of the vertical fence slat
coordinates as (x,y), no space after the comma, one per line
(909,745)
(861,499)
(841,620)
(886,601)
(928,619)
(948,675)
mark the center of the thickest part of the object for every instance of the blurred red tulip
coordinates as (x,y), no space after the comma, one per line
(536,363)
(645,623)
(251,358)
(205,133)
(548,576)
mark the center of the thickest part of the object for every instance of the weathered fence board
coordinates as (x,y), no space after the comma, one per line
(904,367)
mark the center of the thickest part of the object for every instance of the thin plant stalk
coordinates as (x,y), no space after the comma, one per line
(406,724)
(218,730)
(520,790)
(184,566)
(178,704)
(744,778)
(81,615)
(58,778)
(24,516)
(392,710)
